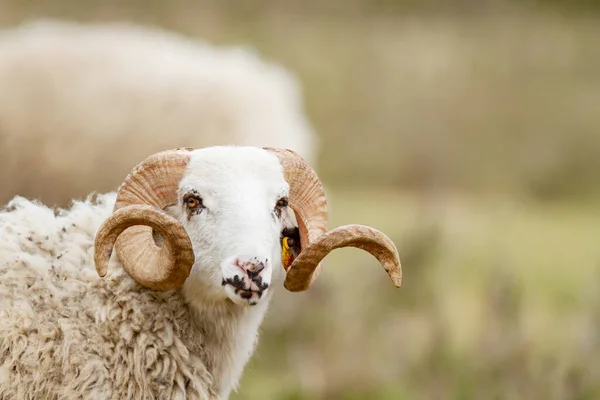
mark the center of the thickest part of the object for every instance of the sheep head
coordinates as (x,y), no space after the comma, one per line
(166,194)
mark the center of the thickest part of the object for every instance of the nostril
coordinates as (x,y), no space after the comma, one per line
(255,269)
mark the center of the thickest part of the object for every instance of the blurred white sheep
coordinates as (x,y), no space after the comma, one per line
(80,104)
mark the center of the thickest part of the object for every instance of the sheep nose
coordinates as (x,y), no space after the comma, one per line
(253,267)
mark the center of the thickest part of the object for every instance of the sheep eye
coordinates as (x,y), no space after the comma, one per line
(192,202)
(281,203)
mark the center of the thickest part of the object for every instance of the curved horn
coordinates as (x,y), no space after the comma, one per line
(148,189)
(298,277)
(307,199)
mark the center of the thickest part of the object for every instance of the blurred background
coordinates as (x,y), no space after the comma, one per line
(469,132)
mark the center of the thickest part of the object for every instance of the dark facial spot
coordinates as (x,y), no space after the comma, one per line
(236,282)
(242,290)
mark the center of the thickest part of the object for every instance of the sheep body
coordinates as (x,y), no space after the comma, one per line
(81,103)
(66,333)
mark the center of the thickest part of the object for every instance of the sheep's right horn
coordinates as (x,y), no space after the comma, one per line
(141,199)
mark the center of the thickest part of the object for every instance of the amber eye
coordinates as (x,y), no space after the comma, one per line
(283,202)
(192,202)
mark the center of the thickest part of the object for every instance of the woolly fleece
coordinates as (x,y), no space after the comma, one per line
(67,334)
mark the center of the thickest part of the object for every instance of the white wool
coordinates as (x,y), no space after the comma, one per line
(64,332)
(81,103)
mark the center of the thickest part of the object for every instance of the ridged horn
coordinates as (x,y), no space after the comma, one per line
(144,194)
(307,199)
(298,276)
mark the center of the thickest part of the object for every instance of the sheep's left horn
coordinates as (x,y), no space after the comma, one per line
(307,199)
(142,197)
(299,274)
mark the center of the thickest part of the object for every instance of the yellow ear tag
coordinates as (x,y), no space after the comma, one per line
(287,258)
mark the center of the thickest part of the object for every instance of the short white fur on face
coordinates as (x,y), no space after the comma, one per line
(228,204)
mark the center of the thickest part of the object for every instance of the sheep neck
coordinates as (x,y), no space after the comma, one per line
(224,336)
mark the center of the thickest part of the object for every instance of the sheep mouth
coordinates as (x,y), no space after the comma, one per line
(247,294)
(246,290)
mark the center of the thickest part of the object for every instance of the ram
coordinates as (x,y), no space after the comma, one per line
(81,103)
(201,238)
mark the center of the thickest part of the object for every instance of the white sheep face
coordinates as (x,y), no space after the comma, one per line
(232,203)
